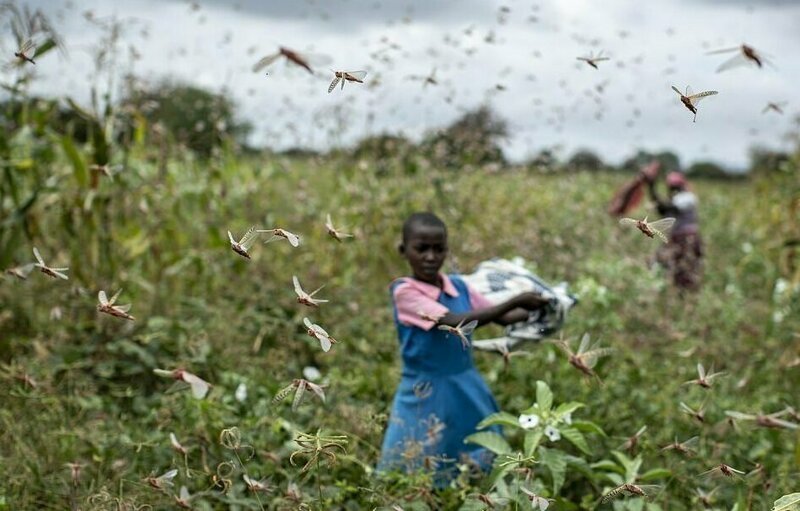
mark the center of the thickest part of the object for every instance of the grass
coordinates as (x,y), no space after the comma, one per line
(161,236)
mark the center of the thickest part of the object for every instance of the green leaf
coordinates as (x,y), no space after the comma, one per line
(631,466)
(635,504)
(588,426)
(80,111)
(544,396)
(789,502)
(565,408)
(18,215)
(44,48)
(581,465)
(577,439)
(136,244)
(532,439)
(656,473)
(496,477)
(609,466)
(502,418)
(78,165)
(490,440)
(556,463)
(622,458)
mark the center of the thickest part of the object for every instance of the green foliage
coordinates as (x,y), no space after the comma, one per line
(79,386)
(584,159)
(540,421)
(200,120)
(709,170)
(669,160)
(766,161)
(471,140)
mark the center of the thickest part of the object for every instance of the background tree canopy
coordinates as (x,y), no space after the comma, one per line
(199,119)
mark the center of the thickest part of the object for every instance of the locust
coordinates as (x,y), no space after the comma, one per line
(346,76)
(651,229)
(690,99)
(319,333)
(593,59)
(277,234)
(306,298)
(686,447)
(585,359)
(631,489)
(299,386)
(462,331)
(703,379)
(333,232)
(107,306)
(199,386)
(47,270)
(242,247)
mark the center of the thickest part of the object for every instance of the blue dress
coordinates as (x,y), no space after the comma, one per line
(440,399)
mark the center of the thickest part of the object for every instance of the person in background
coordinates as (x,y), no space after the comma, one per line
(683,255)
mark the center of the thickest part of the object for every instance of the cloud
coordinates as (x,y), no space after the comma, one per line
(520,60)
(339,14)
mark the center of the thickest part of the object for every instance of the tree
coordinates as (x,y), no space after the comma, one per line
(669,161)
(708,170)
(382,146)
(473,139)
(765,161)
(545,161)
(584,159)
(197,118)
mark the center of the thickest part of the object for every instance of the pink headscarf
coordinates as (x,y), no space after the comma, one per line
(676,180)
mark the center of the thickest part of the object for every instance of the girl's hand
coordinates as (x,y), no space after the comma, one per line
(530,300)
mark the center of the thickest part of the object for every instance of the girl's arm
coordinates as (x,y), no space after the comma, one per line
(511,311)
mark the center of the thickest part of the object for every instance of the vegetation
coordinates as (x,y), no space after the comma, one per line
(80,388)
(85,422)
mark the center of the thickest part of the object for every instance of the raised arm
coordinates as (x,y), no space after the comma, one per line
(511,311)
(664,207)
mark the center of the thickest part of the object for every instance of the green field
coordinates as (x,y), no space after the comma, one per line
(79,386)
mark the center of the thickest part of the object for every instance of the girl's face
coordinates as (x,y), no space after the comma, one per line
(425,249)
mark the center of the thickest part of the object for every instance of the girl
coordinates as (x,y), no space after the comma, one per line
(441,397)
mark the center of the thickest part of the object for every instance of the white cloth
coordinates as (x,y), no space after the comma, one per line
(501,279)
(684,200)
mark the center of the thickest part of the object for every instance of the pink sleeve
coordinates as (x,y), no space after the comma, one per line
(477,300)
(411,302)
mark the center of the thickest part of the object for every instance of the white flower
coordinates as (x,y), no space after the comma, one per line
(568,418)
(552,433)
(781,285)
(241,393)
(528,421)
(747,247)
(311,373)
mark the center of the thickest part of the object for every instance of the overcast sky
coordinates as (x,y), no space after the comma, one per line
(518,57)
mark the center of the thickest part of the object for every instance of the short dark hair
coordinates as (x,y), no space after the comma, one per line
(421,219)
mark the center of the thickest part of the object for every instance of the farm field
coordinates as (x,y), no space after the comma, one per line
(170,175)
(79,386)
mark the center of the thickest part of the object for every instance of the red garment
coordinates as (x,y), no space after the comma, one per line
(631,194)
